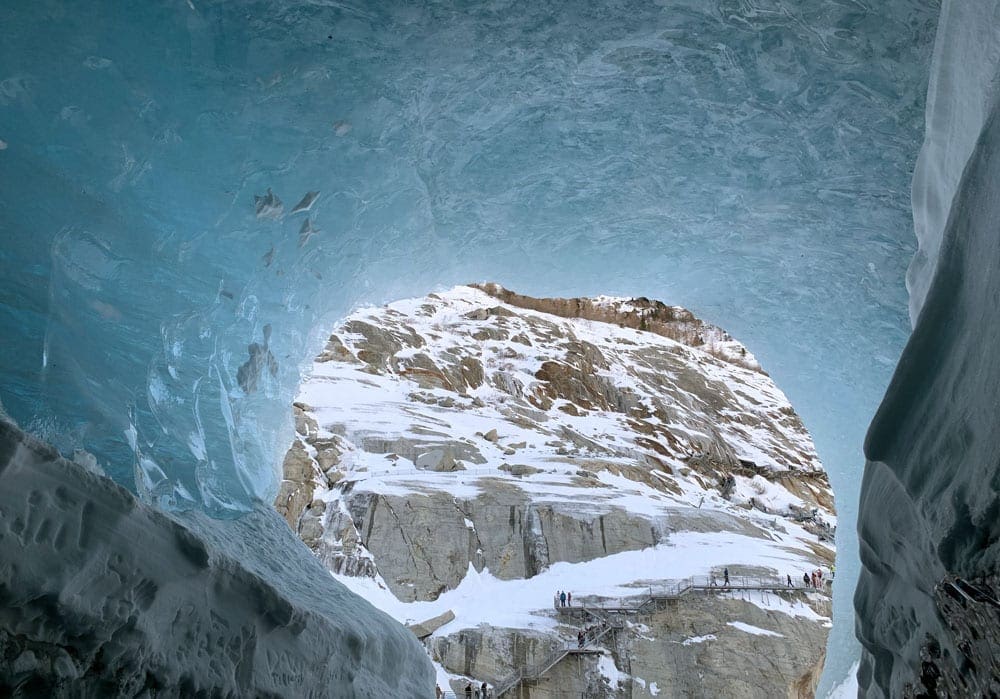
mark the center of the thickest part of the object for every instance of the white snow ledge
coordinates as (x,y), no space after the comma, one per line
(755,630)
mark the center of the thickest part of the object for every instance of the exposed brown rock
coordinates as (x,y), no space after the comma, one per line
(380,346)
(424,629)
(519,469)
(305,424)
(336,352)
(297,484)
(656,317)
(472,372)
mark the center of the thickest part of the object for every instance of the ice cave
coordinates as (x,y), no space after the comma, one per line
(194,194)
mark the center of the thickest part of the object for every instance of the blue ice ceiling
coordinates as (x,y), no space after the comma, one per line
(750,160)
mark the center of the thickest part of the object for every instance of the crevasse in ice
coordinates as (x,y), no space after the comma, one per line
(750,161)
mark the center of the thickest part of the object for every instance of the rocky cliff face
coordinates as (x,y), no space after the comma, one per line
(476,450)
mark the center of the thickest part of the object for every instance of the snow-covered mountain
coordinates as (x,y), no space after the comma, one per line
(467,454)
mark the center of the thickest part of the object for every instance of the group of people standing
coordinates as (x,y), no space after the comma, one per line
(472,691)
(563,599)
(814,579)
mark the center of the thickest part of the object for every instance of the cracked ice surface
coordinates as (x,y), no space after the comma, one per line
(749,161)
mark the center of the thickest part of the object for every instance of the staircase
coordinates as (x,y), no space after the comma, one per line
(535,672)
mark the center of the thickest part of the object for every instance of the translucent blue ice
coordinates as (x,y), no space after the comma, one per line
(749,160)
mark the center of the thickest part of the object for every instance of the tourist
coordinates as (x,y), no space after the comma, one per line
(556,600)
(805,579)
(562,598)
(713,582)
(437,692)
(579,639)
(569,599)
(468,690)
(789,580)
(485,690)
(725,577)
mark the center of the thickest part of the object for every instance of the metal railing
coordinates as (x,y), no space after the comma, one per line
(672,590)
(534,672)
(678,588)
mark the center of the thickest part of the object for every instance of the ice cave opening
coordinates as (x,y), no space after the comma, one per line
(194,192)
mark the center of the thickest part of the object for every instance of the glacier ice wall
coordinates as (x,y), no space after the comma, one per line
(961,94)
(750,161)
(103,596)
(929,523)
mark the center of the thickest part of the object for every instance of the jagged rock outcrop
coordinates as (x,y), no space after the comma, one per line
(655,317)
(425,628)
(465,443)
